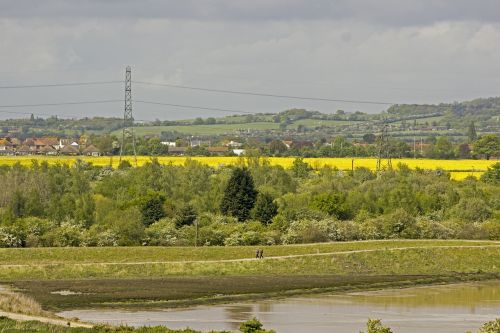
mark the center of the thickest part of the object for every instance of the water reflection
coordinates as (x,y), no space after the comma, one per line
(237,314)
(439,309)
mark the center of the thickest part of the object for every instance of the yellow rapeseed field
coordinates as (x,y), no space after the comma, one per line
(459,169)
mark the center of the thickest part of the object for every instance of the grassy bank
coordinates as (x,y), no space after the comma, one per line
(159,276)
(371,258)
(85,255)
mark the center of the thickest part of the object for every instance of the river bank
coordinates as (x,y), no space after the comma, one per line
(57,295)
(449,308)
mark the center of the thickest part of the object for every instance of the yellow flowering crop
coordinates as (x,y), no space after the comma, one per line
(459,169)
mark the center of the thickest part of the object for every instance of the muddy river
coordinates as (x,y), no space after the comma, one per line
(438,309)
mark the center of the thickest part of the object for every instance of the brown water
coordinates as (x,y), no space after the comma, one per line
(438,309)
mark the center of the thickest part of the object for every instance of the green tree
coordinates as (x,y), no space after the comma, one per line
(152,209)
(300,168)
(488,145)
(239,195)
(277,147)
(332,204)
(104,143)
(185,216)
(492,175)
(265,208)
(471,132)
(444,148)
(369,138)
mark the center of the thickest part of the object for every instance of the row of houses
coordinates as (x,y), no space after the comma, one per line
(46,146)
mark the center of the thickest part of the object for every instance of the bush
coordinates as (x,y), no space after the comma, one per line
(471,210)
(400,224)
(69,233)
(10,236)
(375,326)
(491,327)
(430,229)
(162,233)
(253,326)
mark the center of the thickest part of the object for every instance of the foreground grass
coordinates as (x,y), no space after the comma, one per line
(12,326)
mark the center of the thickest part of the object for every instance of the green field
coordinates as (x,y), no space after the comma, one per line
(231,128)
(203,129)
(319,122)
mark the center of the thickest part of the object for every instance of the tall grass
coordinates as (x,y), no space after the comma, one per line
(18,303)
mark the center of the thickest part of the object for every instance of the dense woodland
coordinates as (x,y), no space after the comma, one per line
(248,204)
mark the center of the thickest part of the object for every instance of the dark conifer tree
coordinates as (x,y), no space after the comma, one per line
(265,208)
(239,195)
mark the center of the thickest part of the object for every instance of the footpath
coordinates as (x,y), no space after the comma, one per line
(53,321)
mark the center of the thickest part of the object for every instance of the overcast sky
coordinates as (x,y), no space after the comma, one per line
(397,51)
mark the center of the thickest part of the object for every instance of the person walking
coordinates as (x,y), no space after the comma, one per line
(257,254)
(261,254)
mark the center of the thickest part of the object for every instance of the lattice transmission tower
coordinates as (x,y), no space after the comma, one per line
(128,119)
(384,151)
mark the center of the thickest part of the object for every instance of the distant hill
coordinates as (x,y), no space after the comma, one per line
(405,120)
(484,112)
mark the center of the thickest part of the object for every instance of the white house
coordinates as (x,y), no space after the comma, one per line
(239,152)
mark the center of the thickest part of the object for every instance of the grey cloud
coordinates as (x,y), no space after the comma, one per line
(422,52)
(384,12)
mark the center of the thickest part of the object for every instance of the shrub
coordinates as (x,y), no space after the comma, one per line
(11,236)
(471,209)
(69,233)
(375,326)
(429,229)
(161,233)
(253,326)
(400,224)
(491,327)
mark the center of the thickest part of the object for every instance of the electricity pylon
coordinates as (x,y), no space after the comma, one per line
(128,119)
(384,151)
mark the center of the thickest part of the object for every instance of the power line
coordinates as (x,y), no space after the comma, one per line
(251,93)
(69,84)
(60,103)
(193,107)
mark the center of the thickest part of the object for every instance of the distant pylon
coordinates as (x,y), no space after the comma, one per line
(128,119)
(384,152)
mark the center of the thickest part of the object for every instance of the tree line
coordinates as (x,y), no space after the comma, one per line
(247,204)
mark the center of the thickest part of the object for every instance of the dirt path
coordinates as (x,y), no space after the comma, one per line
(253,259)
(53,321)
